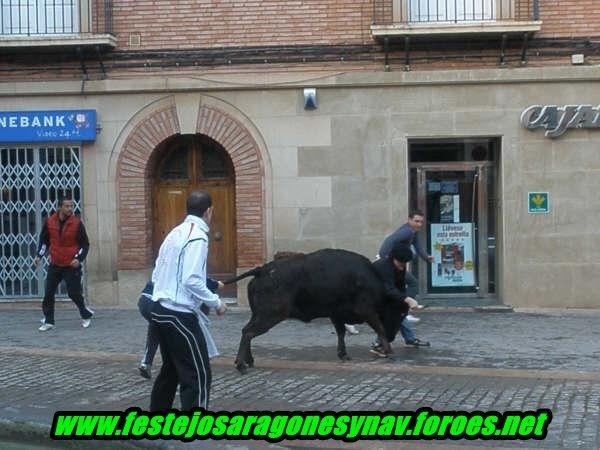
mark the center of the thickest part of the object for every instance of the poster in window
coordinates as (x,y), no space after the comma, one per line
(452,249)
(449,208)
(449,187)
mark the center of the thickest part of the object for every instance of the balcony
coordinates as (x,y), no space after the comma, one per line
(50,24)
(454,18)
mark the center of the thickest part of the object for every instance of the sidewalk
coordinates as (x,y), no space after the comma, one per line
(478,361)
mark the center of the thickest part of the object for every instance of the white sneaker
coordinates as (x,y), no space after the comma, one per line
(86,322)
(46,327)
(351,328)
(412,318)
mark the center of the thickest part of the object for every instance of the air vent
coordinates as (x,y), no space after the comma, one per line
(135,39)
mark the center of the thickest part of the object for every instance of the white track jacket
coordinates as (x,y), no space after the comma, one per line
(179,276)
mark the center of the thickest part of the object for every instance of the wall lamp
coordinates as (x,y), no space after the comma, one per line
(310,98)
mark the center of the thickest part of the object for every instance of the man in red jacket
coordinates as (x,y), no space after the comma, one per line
(64,236)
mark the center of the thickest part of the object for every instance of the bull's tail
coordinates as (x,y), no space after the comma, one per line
(251,273)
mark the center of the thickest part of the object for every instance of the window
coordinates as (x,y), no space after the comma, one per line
(451,10)
(35,17)
(215,161)
(175,167)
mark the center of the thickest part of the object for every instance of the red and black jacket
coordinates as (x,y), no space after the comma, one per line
(66,239)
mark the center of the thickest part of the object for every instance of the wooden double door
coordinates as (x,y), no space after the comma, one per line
(196,162)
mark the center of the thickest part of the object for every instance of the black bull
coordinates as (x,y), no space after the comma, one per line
(338,284)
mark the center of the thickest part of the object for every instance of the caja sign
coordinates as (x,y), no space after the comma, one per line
(557,119)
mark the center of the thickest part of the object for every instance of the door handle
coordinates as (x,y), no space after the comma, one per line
(218,236)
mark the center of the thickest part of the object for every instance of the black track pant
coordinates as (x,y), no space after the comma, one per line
(185,361)
(72,279)
(152,339)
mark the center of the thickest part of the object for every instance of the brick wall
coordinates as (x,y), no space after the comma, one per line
(227,23)
(134,188)
(570,18)
(215,24)
(249,175)
(230,23)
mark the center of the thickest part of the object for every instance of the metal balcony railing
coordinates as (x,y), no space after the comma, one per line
(389,12)
(55,17)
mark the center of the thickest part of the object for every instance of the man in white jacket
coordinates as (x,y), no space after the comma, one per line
(180,289)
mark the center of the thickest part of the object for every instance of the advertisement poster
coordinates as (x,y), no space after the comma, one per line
(449,208)
(452,249)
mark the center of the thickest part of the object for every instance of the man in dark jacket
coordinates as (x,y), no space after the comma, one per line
(409,235)
(64,237)
(392,270)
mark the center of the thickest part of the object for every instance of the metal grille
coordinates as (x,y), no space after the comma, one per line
(31,181)
(451,10)
(39,17)
(51,17)
(387,12)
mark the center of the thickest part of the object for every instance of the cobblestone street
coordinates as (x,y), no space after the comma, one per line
(478,361)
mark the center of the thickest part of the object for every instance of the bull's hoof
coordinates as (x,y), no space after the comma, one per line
(242,368)
(344,358)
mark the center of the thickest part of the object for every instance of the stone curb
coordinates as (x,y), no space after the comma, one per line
(378,366)
(38,434)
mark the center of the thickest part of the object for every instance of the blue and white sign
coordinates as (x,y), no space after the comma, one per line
(47,126)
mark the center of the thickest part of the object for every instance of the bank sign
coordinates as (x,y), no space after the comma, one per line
(557,119)
(48,126)
(538,202)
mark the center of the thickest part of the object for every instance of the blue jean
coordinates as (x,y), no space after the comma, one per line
(412,289)
(406,331)
(412,285)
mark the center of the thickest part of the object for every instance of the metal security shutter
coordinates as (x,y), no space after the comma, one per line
(32,178)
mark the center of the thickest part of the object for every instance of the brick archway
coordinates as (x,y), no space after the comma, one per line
(134,185)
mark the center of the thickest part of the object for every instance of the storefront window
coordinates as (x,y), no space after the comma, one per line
(454,183)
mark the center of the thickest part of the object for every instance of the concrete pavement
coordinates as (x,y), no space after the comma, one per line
(478,361)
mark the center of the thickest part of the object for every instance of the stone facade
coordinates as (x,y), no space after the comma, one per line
(337,176)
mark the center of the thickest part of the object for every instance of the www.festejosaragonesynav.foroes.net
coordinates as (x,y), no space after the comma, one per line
(275,426)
